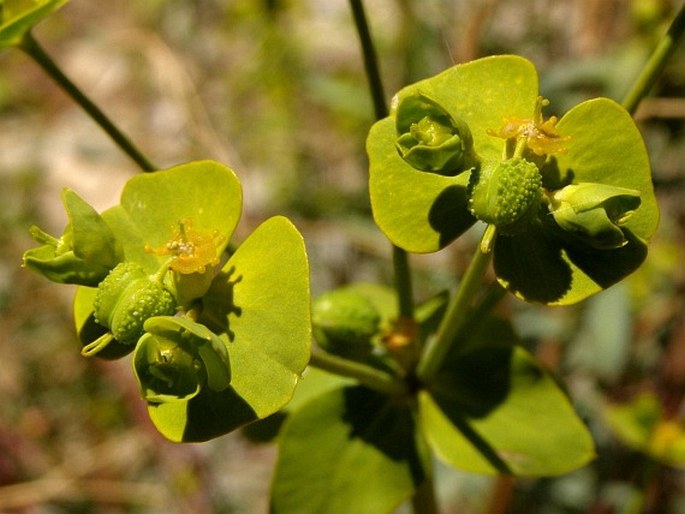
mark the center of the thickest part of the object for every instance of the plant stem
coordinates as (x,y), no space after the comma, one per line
(370,61)
(656,63)
(455,318)
(403,285)
(369,376)
(424,501)
(38,54)
(402,279)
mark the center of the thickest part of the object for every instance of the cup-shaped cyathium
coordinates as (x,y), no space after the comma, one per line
(176,358)
(430,139)
(594,213)
(193,259)
(84,254)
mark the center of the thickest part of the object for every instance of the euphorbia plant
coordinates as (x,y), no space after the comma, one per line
(220,330)
(219,337)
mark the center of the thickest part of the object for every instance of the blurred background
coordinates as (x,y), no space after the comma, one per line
(275,89)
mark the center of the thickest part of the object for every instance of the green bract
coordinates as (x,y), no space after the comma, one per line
(544,252)
(17,17)
(429,139)
(83,255)
(594,213)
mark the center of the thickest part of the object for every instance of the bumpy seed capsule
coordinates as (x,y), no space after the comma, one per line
(126,298)
(344,322)
(505,193)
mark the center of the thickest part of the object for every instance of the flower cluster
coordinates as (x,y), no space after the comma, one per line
(568,201)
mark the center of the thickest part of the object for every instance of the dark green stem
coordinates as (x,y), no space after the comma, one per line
(424,501)
(36,52)
(369,376)
(370,61)
(403,282)
(458,313)
(656,63)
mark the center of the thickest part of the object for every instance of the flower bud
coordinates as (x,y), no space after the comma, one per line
(505,194)
(167,369)
(177,357)
(83,255)
(430,139)
(594,213)
(344,322)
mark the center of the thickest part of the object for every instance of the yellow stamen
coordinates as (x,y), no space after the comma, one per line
(541,136)
(191,251)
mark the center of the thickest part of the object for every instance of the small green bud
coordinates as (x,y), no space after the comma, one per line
(177,357)
(593,213)
(344,322)
(505,194)
(83,255)
(167,368)
(126,298)
(430,139)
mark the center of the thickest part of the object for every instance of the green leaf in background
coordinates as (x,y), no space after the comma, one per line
(641,425)
(348,450)
(423,212)
(259,306)
(547,265)
(492,409)
(17,17)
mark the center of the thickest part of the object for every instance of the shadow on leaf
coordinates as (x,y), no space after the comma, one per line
(211,414)
(532,265)
(91,330)
(218,303)
(606,267)
(449,215)
(387,425)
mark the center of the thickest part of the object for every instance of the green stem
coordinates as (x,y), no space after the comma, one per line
(656,63)
(402,279)
(455,318)
(370,61)
(403,284)
(369,376)
(424,501)
(36,52)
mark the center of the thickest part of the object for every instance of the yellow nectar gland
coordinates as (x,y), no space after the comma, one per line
(541,136)
(191,251)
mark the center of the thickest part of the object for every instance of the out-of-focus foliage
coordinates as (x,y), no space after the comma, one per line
(226,79)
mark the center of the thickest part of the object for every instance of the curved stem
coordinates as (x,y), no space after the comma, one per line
(656,63)
(98,345)
(455,318)
(36,52)
(368,376)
